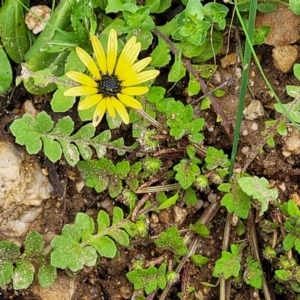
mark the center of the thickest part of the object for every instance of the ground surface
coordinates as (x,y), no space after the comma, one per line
(107,280)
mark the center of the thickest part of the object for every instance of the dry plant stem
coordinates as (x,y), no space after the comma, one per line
(158,260)
(185,280)
(187,63)
(159,188)
(206,217)
(254,248)
(148,118)
(225,286)
(135,212)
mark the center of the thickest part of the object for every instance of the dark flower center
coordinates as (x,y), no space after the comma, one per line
(109,85)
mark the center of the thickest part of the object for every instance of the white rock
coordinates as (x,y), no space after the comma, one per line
(254,110)
(32,22)
(23,187)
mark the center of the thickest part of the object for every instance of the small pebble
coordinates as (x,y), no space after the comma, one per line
(254,126)
(179,215)
(34,23)
(282,186)
(245,132)
(245,150)
(254,110)
(212,197)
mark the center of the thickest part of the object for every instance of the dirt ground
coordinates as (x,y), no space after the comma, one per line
(107,280)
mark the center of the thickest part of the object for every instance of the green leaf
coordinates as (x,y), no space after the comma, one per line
(69,253)
(23,275)
(177,70)
(289,242)
(172,241)
(164,5)
(34,244)
(200,229)
(199,260)
(190,197)
(295,6)
(120,236)
(253,275)
(283,275)
(47,275)
(13,30)
(61,103)
(104,245)
(85,224)
(296,70)
(6,271)
(216,158)
(258,188)
(169,202)
(161,54)
(229,264)
(118,215)
(5,72)
(102,221)
(186,173)
(9,252)
(237,202)
(144,279)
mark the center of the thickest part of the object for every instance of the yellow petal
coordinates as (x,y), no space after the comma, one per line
(99,112)
(129,101)
(89,102)
(88,62)
(99,53)
(111,107)
(121,110)
(112,49)
(82,78)
(140,77)
(127,57)
(142,64)
(80,91)
(136,90)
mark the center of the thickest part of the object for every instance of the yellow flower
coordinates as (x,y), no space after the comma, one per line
(113,81)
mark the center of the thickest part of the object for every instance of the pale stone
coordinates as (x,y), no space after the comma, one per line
(254,110)
(23,187)
(33,23)
(284,57)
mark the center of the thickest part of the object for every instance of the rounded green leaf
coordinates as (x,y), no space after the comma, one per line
(5,72)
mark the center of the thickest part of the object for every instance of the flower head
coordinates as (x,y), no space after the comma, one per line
(112,82)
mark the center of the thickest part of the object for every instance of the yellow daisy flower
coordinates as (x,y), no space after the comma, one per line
(113,81)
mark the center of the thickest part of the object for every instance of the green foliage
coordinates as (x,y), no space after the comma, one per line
(216,158)
(235,199)
(186,172)
(103,174)
(56,139)
(15,42)
(200,229)
(258,189)
(292,226)
(229,264)
(181,120)
(5,72)
(253,275)
(20,267)
(148,279)
(78,245)
(172,241)
(199,260)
